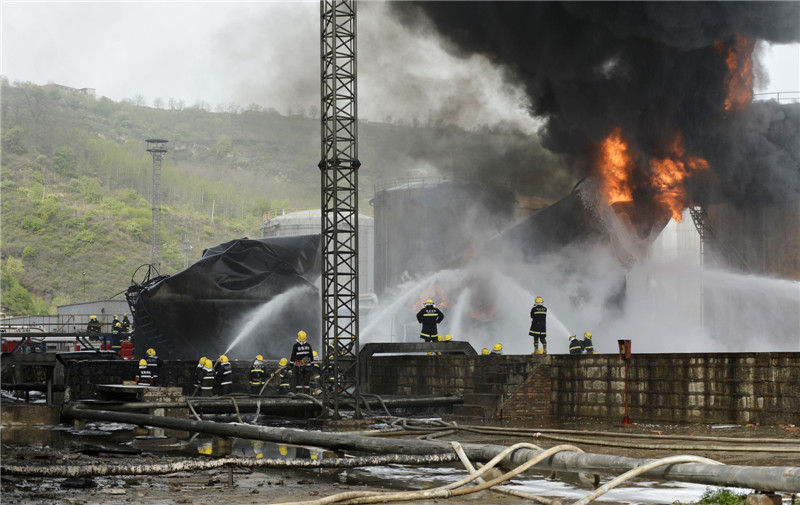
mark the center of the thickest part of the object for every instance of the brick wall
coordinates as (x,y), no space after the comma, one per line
(681,388)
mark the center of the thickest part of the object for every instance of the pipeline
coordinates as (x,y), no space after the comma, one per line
(786,479)
(97,470)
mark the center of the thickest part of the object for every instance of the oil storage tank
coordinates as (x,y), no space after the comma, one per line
(428,224)
(288,223)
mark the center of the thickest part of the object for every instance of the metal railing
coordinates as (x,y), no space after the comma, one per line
(781,97)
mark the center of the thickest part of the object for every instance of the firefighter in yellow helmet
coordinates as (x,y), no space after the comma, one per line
(94,325)
(497,349)
(207,378)
(199,372)
(224,375)
(154,364)
(284,376)
(429,316)
(144,376)
(302,355)
(257,373)
(539,325)
(588,347)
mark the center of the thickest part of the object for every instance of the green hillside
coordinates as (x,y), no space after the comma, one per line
(77,182)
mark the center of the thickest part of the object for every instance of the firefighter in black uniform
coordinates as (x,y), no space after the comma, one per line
(429,316)
(588,347)
(144,377)
(207,379)
(301,357)
(126,323)
(575,346)
(257,373)
(284,377)
(539,325)
(225,375)
(116,338)
(94,325)
(153,363)
(199,372)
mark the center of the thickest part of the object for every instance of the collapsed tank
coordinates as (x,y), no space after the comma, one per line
(259,291)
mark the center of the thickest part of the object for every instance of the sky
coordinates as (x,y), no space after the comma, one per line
(227,54)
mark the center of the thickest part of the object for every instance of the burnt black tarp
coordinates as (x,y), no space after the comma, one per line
(261,289)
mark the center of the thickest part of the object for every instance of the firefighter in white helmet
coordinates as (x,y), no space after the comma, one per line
(539,325)
(429,316)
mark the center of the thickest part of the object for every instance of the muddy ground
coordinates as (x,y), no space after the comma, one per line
(104,445)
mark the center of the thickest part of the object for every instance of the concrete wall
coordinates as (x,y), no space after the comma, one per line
(679,388)
(666,388)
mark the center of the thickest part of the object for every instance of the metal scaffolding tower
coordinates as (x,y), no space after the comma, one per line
(156,147)
(339,169)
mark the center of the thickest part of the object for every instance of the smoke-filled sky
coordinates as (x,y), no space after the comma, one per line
(267,53)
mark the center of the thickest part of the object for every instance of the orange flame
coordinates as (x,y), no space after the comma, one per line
(739,83)
(669,174)
(616,169)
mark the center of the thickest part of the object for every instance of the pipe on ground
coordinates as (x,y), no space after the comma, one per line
(785,479)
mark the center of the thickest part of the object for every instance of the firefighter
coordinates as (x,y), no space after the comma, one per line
(116,338)
(207,379)
(93,326)
(301,357)
(429,316)
(145,376)
(199,372)
(497,349)
(257,373)
(588,348)
(575,346)
(115,321)
(126,323)
(153,363)
(539,325)
(224,375)
(316,372)
(284,374)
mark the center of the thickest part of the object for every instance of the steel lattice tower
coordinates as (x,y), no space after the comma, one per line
(339,169)
(156,147)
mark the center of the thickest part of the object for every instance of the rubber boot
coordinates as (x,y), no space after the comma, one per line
(544,350)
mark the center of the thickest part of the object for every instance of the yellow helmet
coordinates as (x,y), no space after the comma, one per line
(202,360)
(151,352)
(484,351)
(259,358)
(540,351)
(448,338)
(439,338)
(498,347)
(115,316)
(118,325)
(92,318)
(314,353)
(208,363)
(587,335)
(538,300)
(142,362)
(428,302)
(283,450)
(223,359)
(283,362)
(301,336)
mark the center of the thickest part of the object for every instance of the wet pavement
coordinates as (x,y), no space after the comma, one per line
(117,443)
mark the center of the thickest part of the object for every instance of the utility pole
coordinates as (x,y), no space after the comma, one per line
(156,147)
(339,170)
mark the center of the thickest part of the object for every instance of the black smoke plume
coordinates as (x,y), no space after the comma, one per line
(649,68)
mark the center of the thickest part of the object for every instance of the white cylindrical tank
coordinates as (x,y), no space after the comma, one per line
(309,221)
